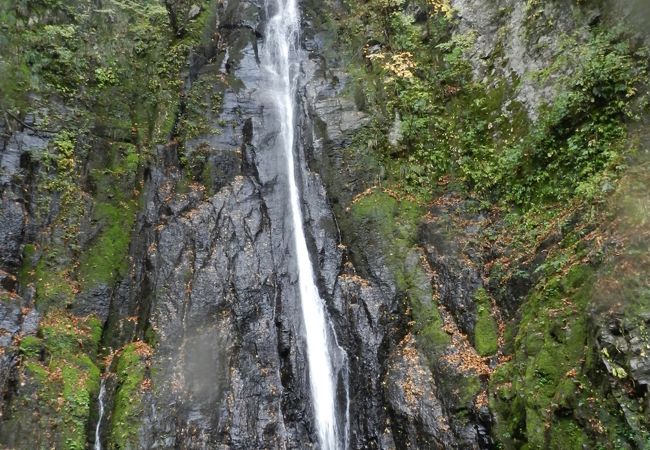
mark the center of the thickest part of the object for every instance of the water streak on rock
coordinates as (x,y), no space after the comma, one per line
(278,59)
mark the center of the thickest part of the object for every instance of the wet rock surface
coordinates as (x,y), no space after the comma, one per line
(212,286)
(215,317)
(229,368)
(17,316)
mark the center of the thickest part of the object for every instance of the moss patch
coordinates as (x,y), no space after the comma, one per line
(65,381)
(549,383)
(30,347)
(131,371)
(390,224)
(485,330)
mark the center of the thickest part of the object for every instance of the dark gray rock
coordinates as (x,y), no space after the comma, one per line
(10,324)
(95,301)
(411,393)
(12,224)
(7,281)
(456,278)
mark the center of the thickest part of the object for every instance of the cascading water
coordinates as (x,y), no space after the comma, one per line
(280,46)
(102,396)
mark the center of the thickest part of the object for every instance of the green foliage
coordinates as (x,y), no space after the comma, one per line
(579,139)
(118,66)
(105,77)
(474,131)
(64,143)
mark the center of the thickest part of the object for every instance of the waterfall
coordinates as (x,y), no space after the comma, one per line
(102,396)
(278,52)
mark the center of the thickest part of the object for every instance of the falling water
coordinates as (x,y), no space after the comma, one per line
(281,38)
(102,396)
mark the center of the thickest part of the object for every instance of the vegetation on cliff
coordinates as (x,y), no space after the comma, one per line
(102,86)
(544,179)
(524,189)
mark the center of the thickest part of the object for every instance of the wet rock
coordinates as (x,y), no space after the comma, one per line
(411,393)
(457,277)
(7,281)
(95,301)
(30,322)
(12,224)
(194,11)
(219,264)
(19,144)
(10,318)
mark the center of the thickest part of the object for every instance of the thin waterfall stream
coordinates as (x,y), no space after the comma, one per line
(101,400)
(324,356)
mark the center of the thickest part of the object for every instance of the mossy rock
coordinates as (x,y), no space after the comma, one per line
(391,224)
(486,332)
(65,382)
(131,371)
(31,346)
(566,434)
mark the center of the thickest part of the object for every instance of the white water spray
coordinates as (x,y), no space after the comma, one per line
(280,45)
(102,396)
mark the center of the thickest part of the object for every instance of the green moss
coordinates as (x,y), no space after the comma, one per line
(131,370)
(391,225)
(115,211)
(545,397)
(469,387)
(79,385)
(30,346)
(566,434)
(107,257)
(24,273)
(67,380)
(64,335)
(486,329)
(53,285)
(36,370)
(428,327)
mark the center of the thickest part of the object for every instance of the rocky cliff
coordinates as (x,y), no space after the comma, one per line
(472,178)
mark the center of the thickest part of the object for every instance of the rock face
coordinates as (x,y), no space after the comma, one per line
(515,40)
(217,286)
(204,333)
(218,313)
(212,286)
(17,318)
